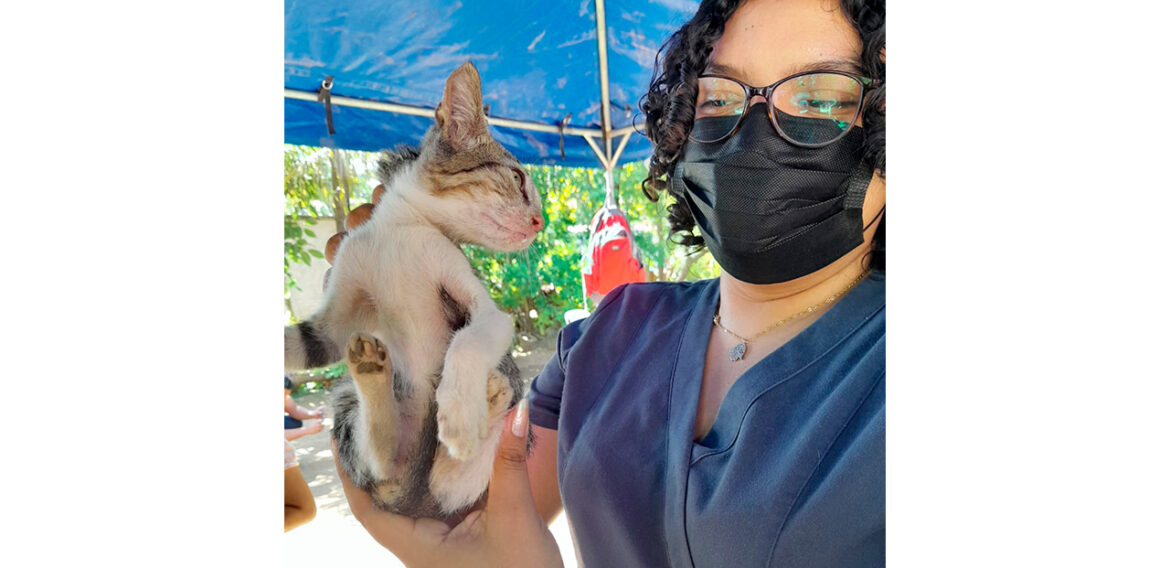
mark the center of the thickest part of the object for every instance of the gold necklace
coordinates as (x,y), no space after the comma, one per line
(740,349)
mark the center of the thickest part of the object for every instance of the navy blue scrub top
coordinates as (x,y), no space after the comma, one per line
(792,472)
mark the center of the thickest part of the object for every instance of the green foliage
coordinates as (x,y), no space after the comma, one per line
(665,259)
(536,286)
(296,248)
(309,195)
(319,380)
(539,285)
(307,182)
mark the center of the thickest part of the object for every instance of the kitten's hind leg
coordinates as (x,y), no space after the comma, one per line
(320,340)
(307,345)
(373,374)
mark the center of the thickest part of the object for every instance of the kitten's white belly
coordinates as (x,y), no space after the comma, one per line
(417,339)
(410,313)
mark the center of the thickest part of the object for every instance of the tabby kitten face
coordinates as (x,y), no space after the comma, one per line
(482,194)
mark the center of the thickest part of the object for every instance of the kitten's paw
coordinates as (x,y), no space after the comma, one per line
(499,395)
(366,356)
(463,423)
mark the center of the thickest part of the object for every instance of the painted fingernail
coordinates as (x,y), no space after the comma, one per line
(520,420)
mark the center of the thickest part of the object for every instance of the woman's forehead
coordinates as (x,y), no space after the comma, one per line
(766,40)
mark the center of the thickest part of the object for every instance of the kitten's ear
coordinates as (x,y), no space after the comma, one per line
(460,114)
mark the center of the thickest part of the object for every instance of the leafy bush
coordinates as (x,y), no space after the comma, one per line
(536,286)
(309,195)
(539,285)
(318,380)
(296,248)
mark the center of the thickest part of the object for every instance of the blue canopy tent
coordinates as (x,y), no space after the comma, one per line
(557,72)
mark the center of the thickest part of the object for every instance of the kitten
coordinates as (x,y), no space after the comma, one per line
(418,425)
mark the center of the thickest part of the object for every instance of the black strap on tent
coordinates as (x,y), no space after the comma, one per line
(564,122)
(323,96)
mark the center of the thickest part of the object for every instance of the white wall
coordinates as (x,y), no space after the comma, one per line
(311,278)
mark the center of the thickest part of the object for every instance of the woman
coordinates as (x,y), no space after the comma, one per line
(739,421)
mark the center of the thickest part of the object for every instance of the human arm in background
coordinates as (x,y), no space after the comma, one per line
(300,412)
(299,507)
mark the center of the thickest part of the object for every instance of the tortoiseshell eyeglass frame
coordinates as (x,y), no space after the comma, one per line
(750,92)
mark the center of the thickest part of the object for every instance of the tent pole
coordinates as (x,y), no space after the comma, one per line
(603,73)
(624,130)
(597,150)
(618,154)
(608,166)
(610,198)
(430,113)
(606,124)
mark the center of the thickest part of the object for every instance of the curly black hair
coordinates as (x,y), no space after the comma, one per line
(669,104)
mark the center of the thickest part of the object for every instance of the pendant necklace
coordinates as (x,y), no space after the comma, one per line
(740,349)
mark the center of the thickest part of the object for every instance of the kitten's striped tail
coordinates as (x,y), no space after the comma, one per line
(307,347)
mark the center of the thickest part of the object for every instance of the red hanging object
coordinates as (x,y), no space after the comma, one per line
(612,258)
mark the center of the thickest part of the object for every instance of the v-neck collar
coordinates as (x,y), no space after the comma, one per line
(812,343)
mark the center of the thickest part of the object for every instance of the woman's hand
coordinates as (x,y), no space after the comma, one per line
(507,532)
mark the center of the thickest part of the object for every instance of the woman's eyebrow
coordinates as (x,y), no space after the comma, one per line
(849,65)
(726,70)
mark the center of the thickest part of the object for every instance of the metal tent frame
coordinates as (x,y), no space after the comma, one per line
(600,140)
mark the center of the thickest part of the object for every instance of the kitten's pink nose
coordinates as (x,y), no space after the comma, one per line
(537,222)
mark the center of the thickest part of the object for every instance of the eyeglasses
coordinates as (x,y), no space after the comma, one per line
(810,109)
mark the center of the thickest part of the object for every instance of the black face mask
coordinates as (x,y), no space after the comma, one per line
(771,211)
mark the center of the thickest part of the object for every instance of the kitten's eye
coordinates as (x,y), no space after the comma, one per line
(519,177)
